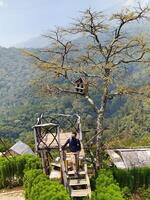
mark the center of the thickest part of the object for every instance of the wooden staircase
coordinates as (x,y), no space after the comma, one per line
(77,185)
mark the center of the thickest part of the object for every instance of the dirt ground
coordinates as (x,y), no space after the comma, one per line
(12,194)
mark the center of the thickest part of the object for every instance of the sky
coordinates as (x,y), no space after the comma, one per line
(21,20)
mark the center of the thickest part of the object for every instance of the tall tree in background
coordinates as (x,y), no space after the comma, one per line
(108,49)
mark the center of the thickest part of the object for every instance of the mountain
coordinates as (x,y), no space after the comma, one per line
(37,42)
(16,91)
(15,76)
(20,100)
(41,41)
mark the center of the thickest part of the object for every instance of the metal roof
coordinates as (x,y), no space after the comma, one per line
(130,158)
(21,148)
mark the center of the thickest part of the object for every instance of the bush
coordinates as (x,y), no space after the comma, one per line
(145,193)
(106,187)
(12,170)
(38,187)
(29,177)
(133,178)
(127,195)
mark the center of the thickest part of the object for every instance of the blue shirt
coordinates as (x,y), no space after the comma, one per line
(74,144)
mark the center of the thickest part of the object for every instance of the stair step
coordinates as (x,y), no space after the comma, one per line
(74,182)
(56,164)
(72,173)
(79,193)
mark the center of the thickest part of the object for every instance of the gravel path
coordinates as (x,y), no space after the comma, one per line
(12,194)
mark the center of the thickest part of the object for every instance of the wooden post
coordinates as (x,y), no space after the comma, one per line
(35,139)
(58,134)
(63,170)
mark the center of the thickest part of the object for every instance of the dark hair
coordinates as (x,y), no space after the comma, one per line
(74,132)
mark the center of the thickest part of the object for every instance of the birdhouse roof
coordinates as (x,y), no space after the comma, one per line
(80,80)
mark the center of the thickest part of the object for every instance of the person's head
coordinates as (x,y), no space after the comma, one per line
(74,134)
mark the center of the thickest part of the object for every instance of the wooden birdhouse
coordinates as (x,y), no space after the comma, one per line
(81,86)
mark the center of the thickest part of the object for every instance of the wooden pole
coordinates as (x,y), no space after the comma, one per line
(35,139)
(63,170)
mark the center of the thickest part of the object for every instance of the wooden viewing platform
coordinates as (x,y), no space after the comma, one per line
(50,136)
(78,186)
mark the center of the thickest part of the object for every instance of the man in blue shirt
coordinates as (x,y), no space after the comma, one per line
(75,148)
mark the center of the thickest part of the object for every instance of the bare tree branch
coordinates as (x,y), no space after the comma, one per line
(98,61)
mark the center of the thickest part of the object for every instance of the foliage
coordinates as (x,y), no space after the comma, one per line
(24,109)
(28,138)
(106,187)
(130,125)
(21,101)
(126,193)
(145,193)
(133,178)
(12,170)
(38,187)
(9,131)
(101,62)
(142,193)
(28,180)
(93,181)
(6,144)
(128,183)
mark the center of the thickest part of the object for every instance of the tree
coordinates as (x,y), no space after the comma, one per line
(5,144)
(108,49)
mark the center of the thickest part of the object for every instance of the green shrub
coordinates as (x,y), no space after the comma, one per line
(133,178)
(12,170)
(29,177)
(126,193)
(106,187)
(145,193)
(38,187)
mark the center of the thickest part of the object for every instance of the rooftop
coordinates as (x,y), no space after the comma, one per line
(130,158)
(21,148)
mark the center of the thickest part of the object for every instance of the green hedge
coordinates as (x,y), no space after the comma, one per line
(133,178)
(12,170)
(145,193)
(37,186)
(106,187)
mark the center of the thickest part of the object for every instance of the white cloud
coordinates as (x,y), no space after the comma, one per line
(3,3)
(129,3)
(134,2)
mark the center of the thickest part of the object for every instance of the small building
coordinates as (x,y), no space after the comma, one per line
(130,158)
(19,148)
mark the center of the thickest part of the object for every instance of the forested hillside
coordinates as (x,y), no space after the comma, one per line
(21,101)
(96,73)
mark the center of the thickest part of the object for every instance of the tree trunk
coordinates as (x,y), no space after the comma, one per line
(100,129)
(98,125)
